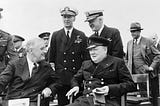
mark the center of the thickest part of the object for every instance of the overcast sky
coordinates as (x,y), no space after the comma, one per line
(28,18)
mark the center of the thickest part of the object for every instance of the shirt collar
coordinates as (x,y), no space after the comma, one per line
(157,43)
(138,39)
(70,31)
(100,30)
(30,65)
(19,49)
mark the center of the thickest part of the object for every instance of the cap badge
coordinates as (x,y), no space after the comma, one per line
(66,9)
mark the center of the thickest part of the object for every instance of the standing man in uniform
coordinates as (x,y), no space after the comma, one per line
(7,52)
(104,73)
(95,20)
(18,41)
(45,36)
(67,51)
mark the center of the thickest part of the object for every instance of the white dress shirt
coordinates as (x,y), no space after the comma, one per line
(30,65)
(70,31)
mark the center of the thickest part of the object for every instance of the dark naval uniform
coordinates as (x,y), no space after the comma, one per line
(7,52)
(111,72)
(68,55)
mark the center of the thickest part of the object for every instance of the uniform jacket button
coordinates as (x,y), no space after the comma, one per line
(102,83)
(87,95)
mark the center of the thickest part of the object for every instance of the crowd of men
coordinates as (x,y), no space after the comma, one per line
(74,64)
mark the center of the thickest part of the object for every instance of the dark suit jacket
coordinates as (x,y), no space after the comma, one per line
(111,72)
(21,85)
(116,46)
(158,46)
(68,56)
(150,54)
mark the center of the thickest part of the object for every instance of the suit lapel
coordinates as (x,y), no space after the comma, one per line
(130,55)
(104,31)
(61,37)
(143,46)
(130,48)
(23,69)
(158,46)
(72,39)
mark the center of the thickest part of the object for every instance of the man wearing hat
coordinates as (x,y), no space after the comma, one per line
(18,40)
(95,20)
(45,36)
(106,78)
(142,56)
(67,51)
(7,52)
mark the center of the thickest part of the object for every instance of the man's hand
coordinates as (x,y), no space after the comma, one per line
(74,90)
(46,92)
(53,66)
(147,68)
(150,69)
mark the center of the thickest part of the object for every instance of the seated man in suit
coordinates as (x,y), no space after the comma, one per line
(30,75)
(103,74)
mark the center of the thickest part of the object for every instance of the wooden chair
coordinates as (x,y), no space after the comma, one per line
(134,98)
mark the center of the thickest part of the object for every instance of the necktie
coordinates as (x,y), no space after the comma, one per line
(135,41)
(34,69)
(34,66)
(96,33)
(67,35)
(133,46)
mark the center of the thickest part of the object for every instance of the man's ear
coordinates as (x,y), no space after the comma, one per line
(106,49)
(29,51)
(74,18)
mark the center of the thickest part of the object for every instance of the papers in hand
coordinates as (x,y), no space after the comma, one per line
(98,96)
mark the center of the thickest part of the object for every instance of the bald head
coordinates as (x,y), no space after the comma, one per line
(36,49)
(154,38)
